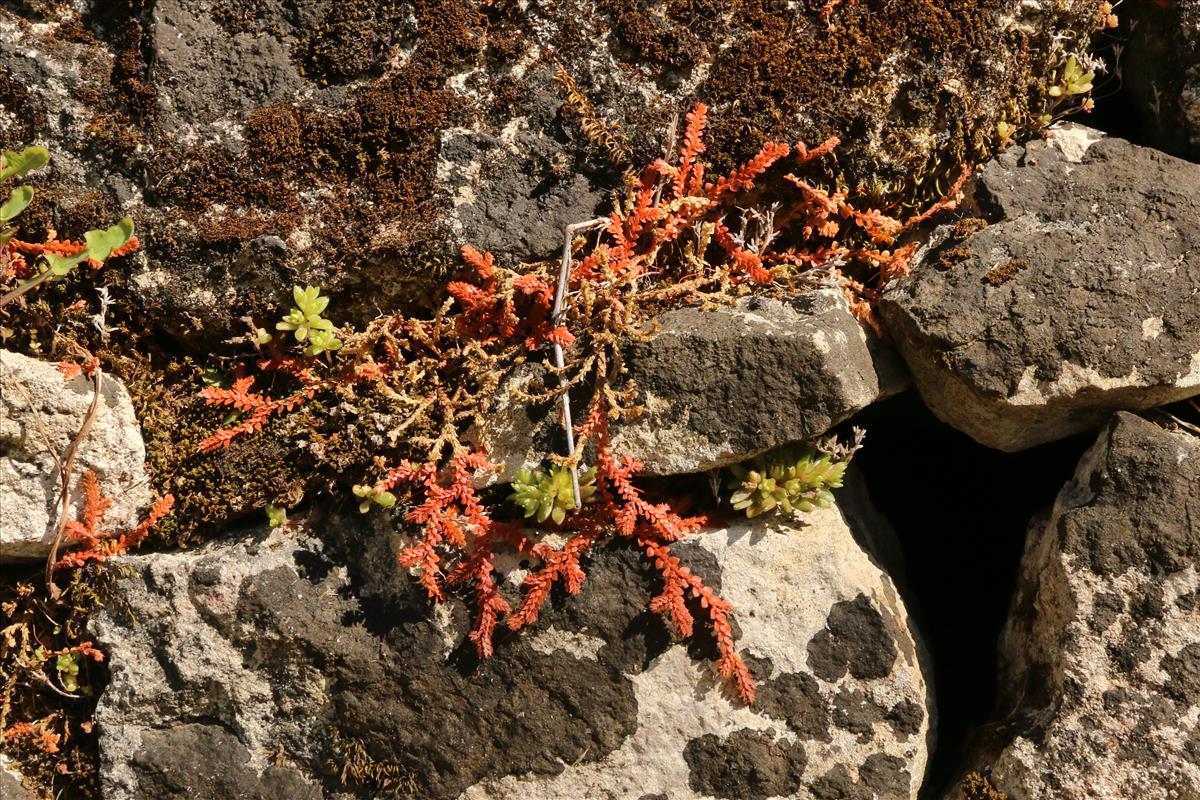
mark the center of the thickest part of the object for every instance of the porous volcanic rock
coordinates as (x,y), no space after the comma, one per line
(720,386)
(11,784)
(41,413)
(296,671)
(374,138)
(1081,298)
(1101,655)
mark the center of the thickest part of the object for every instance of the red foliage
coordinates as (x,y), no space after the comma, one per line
(257,408)
(679,581)
(71,370)
(67,248)
(496,311)
(45,739)
(91,543)
(499,305)
(455,528)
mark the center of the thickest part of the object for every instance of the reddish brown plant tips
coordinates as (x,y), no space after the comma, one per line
(88,540)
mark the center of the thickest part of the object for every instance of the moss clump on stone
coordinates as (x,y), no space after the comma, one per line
(977,787)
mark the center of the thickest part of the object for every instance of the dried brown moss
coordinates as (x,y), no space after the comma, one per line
(29,114)
(122,25)
(1003,273)
(788,73)
(352,40)
(977,787)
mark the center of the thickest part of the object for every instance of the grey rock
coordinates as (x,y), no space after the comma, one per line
(11,785)
(1080,299)
(723,385)
(281,649)
(42,414)
(1101,654)
(505,197)
(377,138)
(207,79)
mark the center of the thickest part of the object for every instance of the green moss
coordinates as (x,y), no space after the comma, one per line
(211,490)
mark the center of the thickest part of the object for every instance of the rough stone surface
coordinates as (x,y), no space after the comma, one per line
(1161,74)
(1082,297)
(720,386)
(1101,655)
(260,651)
(11,787)
(42,413)
(375,138)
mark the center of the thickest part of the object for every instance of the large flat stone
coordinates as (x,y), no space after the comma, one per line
(1081,298)
(374,139)
(256,650)
(723,385)
(42,414)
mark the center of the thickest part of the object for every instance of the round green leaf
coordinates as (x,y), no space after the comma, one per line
(17,201)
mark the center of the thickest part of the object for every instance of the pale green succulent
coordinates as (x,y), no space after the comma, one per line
(307,323)
(373,494)
(550,495)
(1073,80)
(67,666)
(276,516)
(787,482)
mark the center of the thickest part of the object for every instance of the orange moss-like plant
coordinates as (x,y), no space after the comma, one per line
(89,542)
(677,236)
(459,531)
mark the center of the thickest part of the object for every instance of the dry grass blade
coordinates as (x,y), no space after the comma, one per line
(65,468)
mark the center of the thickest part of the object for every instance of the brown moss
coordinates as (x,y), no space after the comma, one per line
(375,155)
(783,73)
(74,31)
(675,35)
(121,25)
(351,41)
(239,16)
(1003,273)
(787,73)
(29,113)
(977,787)
(273,137)
(949,259)
(967,226)
(69,215)
(38,10)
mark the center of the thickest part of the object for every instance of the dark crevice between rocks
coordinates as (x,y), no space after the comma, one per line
(960,511)
(1138,98)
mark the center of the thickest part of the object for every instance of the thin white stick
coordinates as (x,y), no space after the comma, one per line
(560,296)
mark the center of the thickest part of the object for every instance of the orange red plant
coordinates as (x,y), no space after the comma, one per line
(89,542)
(459,531)
(677,236)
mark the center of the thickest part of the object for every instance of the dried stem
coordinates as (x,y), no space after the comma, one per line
(67,465)
(556,316)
